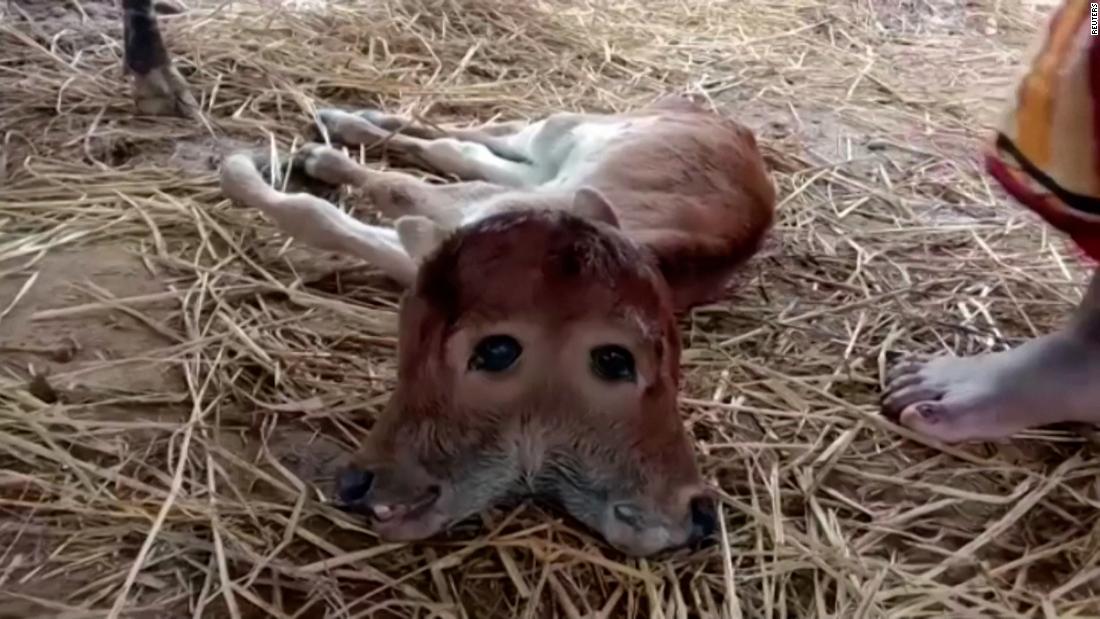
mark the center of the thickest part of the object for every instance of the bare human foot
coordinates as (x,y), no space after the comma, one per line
(159,89)
(1049,380)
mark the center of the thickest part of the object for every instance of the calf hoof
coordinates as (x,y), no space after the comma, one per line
(326,164)
(288,173)
(347,128)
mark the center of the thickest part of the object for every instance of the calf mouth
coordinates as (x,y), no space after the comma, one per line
(355,494)
(413,521)
(391,512)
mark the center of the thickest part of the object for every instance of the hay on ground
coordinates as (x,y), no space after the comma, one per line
(175,376)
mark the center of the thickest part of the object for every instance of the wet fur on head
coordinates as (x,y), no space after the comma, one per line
(588,445)
(566,257)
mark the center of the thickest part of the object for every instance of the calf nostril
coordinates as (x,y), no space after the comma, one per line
(704,517)
(352,484)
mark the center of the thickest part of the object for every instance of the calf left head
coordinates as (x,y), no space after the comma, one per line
(538,354)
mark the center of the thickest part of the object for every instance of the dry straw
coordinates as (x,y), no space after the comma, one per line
(193,498)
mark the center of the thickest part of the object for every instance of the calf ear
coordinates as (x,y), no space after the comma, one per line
(419,236)
(591,204)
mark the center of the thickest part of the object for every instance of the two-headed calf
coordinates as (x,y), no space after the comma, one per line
(538,349)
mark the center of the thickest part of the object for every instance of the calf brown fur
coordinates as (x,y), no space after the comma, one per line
(538,350)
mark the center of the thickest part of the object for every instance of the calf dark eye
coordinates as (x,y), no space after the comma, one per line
(613,363)
(495,353)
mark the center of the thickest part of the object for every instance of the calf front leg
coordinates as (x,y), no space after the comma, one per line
(468,160)
(159,89)
(497,137)
(396,194)
(317,222)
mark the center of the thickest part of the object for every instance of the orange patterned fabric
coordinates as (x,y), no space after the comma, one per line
(1047,150)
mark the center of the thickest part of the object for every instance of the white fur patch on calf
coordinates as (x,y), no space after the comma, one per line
(317,222)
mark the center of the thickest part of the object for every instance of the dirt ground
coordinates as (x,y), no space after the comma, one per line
(140,312)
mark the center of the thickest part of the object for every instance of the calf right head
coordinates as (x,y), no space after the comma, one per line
(539,355)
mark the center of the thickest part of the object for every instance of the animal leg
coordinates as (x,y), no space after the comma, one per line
(317,222)
(468,160)
(397,123)
(540,146)
(159,89)
(396,194)
(497,137)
